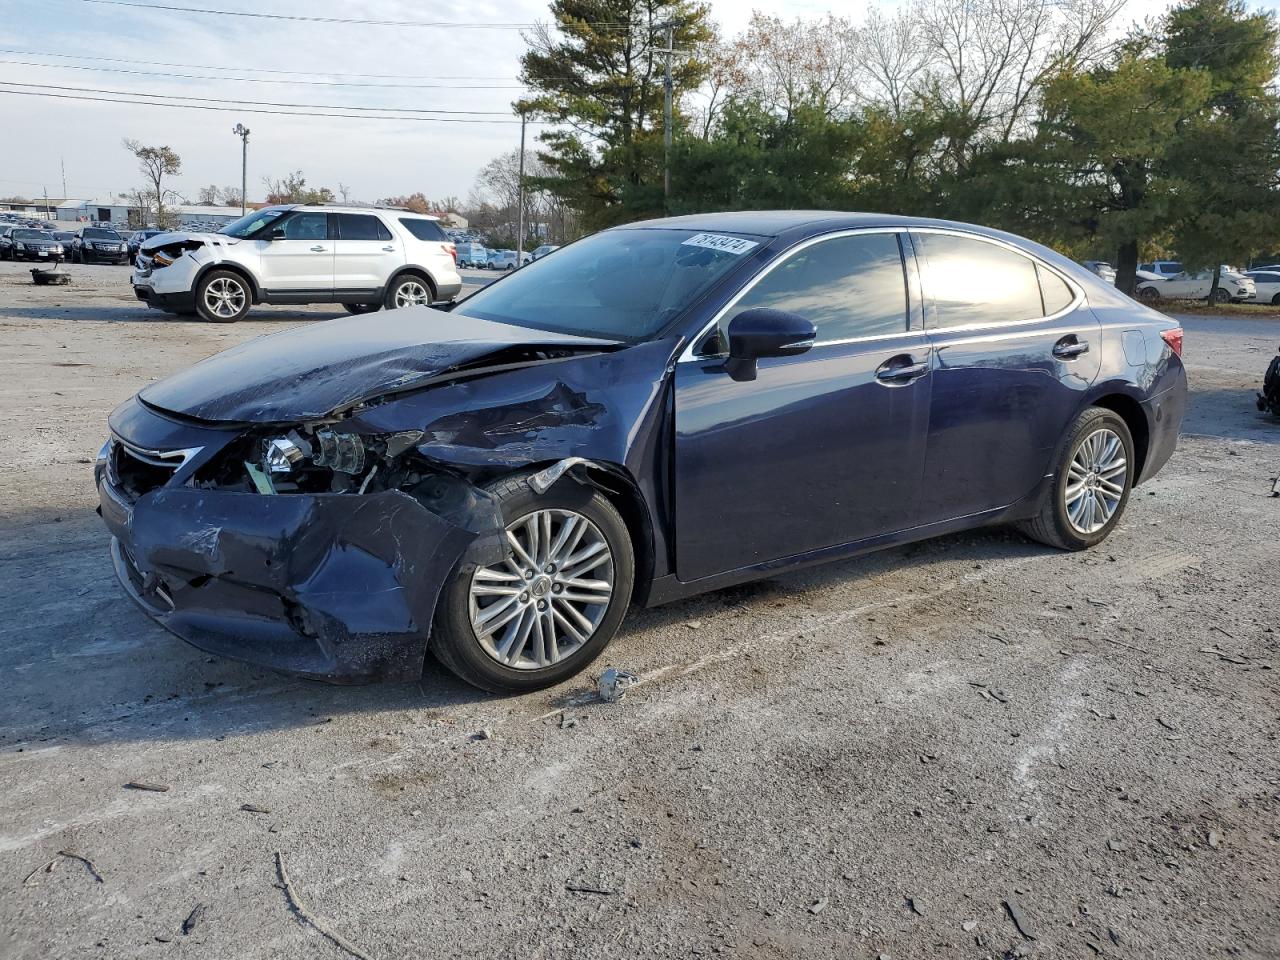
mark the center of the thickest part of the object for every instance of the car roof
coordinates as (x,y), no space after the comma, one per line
(773,223)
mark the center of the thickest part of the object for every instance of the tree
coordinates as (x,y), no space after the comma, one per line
(208,196)
(229,196)
(1228,154)
(156,163)
(596,71)
(293,189)
(417,202)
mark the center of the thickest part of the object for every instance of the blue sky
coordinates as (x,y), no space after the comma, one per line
(375,158)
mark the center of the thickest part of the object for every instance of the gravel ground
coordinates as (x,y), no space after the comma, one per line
(973,747)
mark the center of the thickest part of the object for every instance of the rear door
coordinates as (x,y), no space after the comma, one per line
(367,253)
(1015,347)
(823,448)
(298,264)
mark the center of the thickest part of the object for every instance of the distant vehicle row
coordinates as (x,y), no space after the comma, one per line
(478,256)
(87,245)
(1166,280)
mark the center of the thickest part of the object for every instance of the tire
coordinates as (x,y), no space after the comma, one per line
(222,296)
(1148,294)
(358,308)
(1221,296)
(458,645)
(1056,525)
(1276,300)
(408,290)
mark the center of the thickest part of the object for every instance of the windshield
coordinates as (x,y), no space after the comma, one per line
(620,284)
(98,234)
(253,222)
(31,235)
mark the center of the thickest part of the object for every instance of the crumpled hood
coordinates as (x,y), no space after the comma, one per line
(164,239)
(310,371)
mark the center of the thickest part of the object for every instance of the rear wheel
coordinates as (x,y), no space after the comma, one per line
(1091,485)
(361,307)
(222,297)
(409,290)
(548,610)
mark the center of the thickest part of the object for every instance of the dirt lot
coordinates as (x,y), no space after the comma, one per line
(974,747)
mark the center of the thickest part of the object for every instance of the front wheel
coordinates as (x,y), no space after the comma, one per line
(1148,294)
(1221,296)
(1091,483)
(408,291)
(222,297)
(551,607)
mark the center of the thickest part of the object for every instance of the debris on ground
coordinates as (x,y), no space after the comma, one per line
(485,734)
(194,917)
(614,683)
(598,891)
(818,906)
(143,785)
(48,868)
(319,923)
(253,808)
(1015,914)
(1223,655)
(916,905)
(1215,839)
(969,926)
(567,722)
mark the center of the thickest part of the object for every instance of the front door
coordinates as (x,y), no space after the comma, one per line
(821,449)
(299,262)
(367,254)
(1015,348)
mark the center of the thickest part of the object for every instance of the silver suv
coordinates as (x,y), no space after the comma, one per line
(364,258)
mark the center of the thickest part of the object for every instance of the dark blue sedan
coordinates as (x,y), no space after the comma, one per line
(656,411)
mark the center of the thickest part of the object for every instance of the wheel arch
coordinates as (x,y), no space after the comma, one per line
(242,272)
(1130,411)
(422,273)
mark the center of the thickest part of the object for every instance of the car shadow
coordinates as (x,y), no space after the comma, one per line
(85,665)
(143,314)
(1230,414)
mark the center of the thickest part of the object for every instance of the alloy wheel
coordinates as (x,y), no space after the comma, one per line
(1096,481)
(224,298)
(543,603)
(412,293)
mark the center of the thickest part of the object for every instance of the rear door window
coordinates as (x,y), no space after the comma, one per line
(361,226)
(423,229)
(848,287)
(975,283)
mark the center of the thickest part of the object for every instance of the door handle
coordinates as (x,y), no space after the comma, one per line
(1068,348)
(901,369)
(389,249)
(318,249)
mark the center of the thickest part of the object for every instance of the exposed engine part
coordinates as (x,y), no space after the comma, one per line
(340,452)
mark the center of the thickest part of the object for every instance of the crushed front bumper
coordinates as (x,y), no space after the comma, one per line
(333,587)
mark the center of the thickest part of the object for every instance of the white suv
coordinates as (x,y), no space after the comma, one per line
(364,258)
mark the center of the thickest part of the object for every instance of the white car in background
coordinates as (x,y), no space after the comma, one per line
(364,258)
(1232,285)
(1267,282)
(506,260)
(543,250)
(1163,268)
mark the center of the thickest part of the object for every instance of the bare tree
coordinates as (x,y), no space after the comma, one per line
(156,163)
(894,60)
(229,196)
(208,196)
(803,62)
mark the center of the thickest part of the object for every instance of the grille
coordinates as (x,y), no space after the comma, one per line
(136,471)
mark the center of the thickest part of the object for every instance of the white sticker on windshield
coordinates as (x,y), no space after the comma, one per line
(715,241)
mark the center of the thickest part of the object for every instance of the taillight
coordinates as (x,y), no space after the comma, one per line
(1174,339)
(453,252)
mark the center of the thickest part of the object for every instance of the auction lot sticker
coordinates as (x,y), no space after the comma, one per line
(715,241)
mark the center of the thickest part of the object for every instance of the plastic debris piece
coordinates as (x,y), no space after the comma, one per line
(614,683)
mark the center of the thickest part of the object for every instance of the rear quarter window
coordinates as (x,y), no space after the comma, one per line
(424,229)
(976,283)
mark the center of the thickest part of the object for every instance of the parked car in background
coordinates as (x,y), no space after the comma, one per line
(1163,268)
(495,482)
(543,250)
(6,241)
(471,254)
(1267,283)
(27,244)
(99,245)
(364,258)
(64,237)
(493,255)
(1196,286)
(1101,268)
(507,260)
(136,241)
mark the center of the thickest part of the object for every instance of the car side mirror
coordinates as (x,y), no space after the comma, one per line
(762,332)
(277,233)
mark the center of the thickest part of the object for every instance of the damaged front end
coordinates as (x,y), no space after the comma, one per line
(314,550)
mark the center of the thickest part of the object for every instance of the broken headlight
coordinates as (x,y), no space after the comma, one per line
(340,452)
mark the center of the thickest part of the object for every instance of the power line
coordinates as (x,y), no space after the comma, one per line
(244,109)
(208,66)
(435,24)
(309,83)
(256,103)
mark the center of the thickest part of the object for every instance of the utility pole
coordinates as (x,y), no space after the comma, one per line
(241,131)
(520,216)
(667,88)
(63,161)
